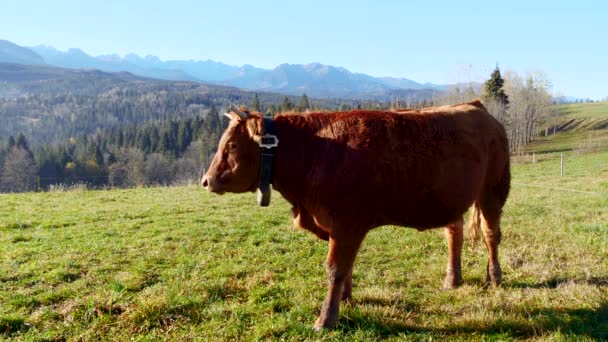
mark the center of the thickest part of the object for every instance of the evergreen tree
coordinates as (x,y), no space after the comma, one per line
(154,139)
(287,105)
(99,156)
(11,143)
(164,145)
(22,143)
(196,126)
(212,122)
(255,104)
(493,88)
(112,157)
(184,135)
(304,105)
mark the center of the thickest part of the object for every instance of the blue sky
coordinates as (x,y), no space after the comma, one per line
(427,41)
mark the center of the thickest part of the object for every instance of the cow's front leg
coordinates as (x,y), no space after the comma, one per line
(453,235)
(347,291)
(340,259)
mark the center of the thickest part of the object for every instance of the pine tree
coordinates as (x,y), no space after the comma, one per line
(98,156)
(196,126)
(184,135)
(255,104)
(154,139)
(22,143)
(304,105)
(11,142)
(212,122)
(494,90)
(165,143)
(287,105)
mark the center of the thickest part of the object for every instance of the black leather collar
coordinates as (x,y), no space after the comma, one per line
(268,144)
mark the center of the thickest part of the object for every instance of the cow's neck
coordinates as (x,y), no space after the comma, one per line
(294,155)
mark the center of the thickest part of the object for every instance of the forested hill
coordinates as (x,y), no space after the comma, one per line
(50,105)
(64,126)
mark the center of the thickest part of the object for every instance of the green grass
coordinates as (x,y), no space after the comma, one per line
(579,126)
(181,264)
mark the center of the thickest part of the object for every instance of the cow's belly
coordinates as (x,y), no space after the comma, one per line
(435,203)
(428,212)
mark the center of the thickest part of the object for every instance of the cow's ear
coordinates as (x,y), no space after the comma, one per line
(237,114)
(232,115)
(254,127)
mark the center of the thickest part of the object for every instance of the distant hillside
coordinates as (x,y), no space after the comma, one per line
(576,126)
(316,80)
(20,79)
(13,53)
(50,104)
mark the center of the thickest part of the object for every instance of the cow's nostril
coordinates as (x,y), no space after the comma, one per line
(205,182)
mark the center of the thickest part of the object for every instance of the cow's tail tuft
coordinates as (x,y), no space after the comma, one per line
(475,223)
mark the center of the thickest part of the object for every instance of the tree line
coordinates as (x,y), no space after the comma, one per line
(522,104)
(163,151)
(131,137)
(158,152)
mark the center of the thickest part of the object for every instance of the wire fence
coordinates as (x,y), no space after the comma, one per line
(42,184)
(542,171)
(558,189)
(566,172)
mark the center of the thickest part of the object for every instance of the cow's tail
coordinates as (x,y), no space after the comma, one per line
(475,223)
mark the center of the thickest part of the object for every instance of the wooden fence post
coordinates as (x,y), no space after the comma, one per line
(561,164)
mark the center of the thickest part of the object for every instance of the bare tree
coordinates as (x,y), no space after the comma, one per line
(458,93)
(128,171)
(529,107)
(185,171)
(19,171)
(157,169)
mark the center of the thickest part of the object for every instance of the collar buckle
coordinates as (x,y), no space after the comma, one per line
(269,141)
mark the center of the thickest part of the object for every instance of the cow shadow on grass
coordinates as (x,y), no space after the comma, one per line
(583,322)
(555,282)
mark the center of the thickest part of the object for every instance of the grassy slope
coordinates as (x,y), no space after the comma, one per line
(581,126)
(178,263)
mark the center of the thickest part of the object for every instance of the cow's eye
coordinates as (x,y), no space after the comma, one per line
(232,146)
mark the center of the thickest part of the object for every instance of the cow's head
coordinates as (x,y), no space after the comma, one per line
(236,165)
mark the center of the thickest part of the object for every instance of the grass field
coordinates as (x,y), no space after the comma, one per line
(181,264)
(579,126)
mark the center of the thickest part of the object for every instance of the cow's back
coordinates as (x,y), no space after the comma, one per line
(392,168)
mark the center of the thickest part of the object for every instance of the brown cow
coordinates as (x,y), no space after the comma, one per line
(348,172)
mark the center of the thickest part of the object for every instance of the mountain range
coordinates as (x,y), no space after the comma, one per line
(314,79)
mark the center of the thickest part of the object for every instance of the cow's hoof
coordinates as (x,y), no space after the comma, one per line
(324,324)
(493,276)
(452,282)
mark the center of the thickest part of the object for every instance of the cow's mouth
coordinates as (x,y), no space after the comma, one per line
(212,185)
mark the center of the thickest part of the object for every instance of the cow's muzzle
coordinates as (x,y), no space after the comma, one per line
(211,184)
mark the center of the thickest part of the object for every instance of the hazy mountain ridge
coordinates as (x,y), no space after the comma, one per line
(314,79)
(49,104)
(13,53)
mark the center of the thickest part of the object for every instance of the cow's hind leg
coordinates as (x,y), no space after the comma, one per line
(453,234)
(340,259)
(490,227)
